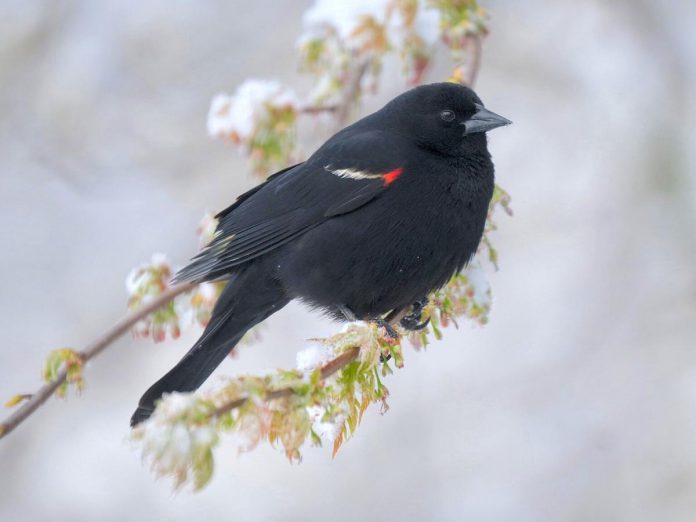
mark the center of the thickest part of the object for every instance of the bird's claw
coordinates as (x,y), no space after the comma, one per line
(392,335)
(412,321)
(412,324)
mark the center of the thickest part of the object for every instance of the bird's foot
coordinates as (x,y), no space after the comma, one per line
(392,335)
(414,321)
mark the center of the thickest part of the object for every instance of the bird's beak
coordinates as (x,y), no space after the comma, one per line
(483,120)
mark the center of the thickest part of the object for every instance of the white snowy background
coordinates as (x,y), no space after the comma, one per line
(577,402)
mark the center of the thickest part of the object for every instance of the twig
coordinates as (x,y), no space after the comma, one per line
(331,367)
(350,92)
(470,66)
(316,109)
(348,95)
(91,350)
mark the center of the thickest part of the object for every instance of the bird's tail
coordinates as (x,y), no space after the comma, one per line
(249,298)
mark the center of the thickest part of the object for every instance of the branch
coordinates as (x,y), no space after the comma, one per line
(467,70)
(317,109)
(92,350)
(327,370)
(350,92)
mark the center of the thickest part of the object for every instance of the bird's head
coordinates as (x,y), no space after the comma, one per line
(446,117)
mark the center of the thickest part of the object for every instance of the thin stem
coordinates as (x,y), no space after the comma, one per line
(91,350)
(477,51)
(349,94)
(351,91)
(471,65)
(317,109)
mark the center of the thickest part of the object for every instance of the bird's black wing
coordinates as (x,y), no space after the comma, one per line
(347,172)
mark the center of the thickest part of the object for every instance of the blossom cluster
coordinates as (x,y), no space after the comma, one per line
(260,116)
(179,438)
(144,283)
(459,21)
(340,36)
(343,46)
(71,361)
(147,281)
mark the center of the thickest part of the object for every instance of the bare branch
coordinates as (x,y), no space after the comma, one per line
(467,70)
(350,92)
(91,350)
(317,109)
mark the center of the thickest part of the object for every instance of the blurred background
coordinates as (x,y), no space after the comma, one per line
(576,402)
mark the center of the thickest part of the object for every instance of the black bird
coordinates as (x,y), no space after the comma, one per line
(383,213)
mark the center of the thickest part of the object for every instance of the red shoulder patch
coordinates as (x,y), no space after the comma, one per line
(391,176)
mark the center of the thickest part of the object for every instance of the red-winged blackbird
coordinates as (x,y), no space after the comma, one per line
(386,211)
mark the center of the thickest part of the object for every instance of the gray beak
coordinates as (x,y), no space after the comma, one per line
(483,120)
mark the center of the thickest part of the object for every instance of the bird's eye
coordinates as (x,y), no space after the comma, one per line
(447,115)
